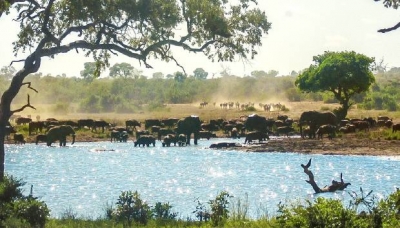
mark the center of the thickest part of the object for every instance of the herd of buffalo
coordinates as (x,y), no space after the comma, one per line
(174,131)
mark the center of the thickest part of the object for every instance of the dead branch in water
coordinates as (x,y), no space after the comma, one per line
(335,186)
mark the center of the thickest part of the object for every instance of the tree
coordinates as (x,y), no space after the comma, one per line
(89,71)
(272,73)
(294,73)
(158,75)
(7,72)
(342,73)
(179,76)
(99,28)
(200,73)
(258,74)
(124,70)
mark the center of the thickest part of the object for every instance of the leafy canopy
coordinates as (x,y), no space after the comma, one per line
(141,28)
(342,73)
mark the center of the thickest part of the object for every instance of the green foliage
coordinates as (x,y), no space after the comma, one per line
(31,210)
(321,213)
(88,73)
(342,73)
(15,206)
(251,109)
(380,101)
(162,211)
(219,208)
(389,209)
(131,208)
(200,74)
(124,70)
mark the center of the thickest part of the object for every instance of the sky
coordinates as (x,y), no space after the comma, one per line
(300,30)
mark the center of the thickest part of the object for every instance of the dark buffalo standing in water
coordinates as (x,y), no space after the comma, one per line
(256,135)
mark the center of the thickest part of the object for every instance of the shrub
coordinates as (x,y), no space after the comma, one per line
(18,209)
(321,213)
(389,209)
(251,109)
(219,208)
(130,207)
(33,211)
(201,212)
(162,211)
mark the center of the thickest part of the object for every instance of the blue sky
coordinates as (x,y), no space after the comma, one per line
(300,30)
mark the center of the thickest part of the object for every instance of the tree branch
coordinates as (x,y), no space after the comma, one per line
(335,186)
(389,29)
(23,107)
(29,86)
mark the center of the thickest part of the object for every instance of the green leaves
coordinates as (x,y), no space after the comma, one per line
(345,74)
(141,29)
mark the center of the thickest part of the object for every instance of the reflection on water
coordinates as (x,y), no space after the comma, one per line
(87,176)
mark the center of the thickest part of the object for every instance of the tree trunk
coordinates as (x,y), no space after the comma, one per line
(32,64)
(335,186)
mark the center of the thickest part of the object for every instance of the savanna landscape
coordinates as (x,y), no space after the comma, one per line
(338,87)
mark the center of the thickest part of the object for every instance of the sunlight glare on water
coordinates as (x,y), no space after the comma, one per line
(87,176)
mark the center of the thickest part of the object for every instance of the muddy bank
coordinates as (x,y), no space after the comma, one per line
(348,145)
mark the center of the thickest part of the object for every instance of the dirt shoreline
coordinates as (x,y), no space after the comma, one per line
(336,146)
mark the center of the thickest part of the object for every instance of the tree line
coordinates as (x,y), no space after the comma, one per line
(123,92)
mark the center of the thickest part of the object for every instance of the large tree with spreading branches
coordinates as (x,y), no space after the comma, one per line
(345,74)
(140,29)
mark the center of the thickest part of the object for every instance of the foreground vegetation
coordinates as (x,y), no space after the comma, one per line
(364,210)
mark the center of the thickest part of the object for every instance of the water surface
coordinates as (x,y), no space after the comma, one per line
(86,177)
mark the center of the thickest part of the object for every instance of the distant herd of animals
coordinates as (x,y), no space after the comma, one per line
(243,106)
(178,132)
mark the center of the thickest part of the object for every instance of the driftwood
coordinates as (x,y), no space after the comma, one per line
(335,186)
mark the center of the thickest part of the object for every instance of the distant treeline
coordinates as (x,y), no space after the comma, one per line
(127,95)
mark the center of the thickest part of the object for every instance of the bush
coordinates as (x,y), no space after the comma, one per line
(130,207)
(32,211)
(389,209)
(322,213)
(18,209)
(162,211)
(219,208)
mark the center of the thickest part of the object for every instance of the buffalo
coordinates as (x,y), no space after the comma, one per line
(256,135)
(19,138)
(326,129)
(315,119)
(395,127)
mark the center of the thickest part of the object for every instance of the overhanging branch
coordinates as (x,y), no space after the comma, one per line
(389,29)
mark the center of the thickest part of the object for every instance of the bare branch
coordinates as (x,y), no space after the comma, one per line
(23,107)
(17,61)
(29,86)
(335,186)
(389,29)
